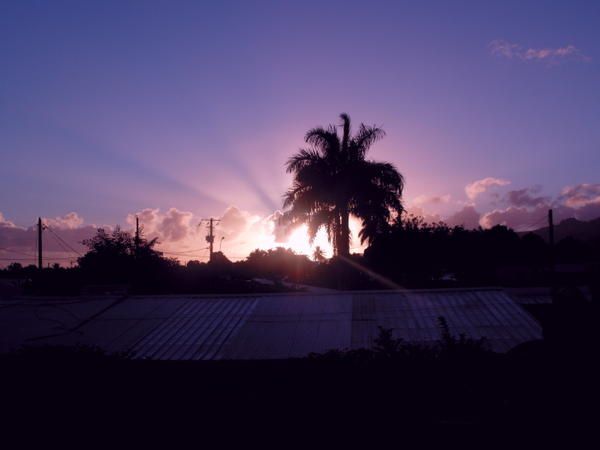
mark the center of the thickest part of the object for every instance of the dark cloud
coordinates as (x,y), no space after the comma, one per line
(62,240)
(467,217)
(526,197)
(526,211)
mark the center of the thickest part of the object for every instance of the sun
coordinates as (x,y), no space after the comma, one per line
(299,242)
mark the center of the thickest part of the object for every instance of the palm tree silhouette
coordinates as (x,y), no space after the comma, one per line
(318,254)
(332,179)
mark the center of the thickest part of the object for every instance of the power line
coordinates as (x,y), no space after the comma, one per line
(184,252)
(33,259)
(63,241)
(17,259)
(62,246)
(18,252)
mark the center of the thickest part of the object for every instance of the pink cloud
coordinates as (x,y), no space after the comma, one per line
(67,222)
(172,226)
(4,223)
(516,217)
(234,222)
(417,211)
(581,195)
(480,186)
(433,200)
(500,47)
(175,225)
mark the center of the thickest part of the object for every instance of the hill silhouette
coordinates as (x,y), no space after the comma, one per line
(573,228)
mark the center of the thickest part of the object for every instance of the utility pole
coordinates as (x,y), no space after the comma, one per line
(137,236)
(550,228)
(39,227)
(211,236)
(551,243)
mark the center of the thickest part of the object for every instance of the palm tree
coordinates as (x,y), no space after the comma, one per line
(318,254)
(332,179)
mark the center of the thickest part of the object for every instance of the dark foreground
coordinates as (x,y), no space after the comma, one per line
(57,395)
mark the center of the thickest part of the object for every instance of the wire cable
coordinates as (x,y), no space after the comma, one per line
(63,241)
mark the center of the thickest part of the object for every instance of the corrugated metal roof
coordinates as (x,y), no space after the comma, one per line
(197,330)
(414,317)
(294,325)
(531,295)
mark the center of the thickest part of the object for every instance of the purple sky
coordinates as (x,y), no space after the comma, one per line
(110,108)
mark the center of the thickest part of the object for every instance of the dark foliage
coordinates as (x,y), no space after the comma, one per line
(415,253)
(120,257)
(387,348)
(411,254)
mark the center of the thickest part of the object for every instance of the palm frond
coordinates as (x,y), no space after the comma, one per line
(346,131)
(364,139)
(324,217)
(326,141)
(301,159)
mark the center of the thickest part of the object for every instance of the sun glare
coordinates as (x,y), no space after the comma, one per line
(299,242)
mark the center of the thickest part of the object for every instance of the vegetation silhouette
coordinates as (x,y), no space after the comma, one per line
(456,381)
(333,179)
(119,257)
(411,254)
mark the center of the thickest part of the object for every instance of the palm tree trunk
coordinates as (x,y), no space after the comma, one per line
(344,245)
(337,239)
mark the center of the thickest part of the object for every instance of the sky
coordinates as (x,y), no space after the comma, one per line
(178,111)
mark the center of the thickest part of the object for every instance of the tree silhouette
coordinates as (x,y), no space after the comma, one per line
(332,179)
(118,256)
(318,254)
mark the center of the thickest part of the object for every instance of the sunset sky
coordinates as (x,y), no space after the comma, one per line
(179,111)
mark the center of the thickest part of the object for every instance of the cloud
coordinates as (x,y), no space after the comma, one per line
(480,186)
(282,229)
(505,49)
(65,235)
(581,195)
(431,200)
(526,197)
(172,226)
(417,211)
(520,209)
(526,212)
(234,222)
(467,217)
(175,225)
(237,232)
(69,221)
(518,218)
(4,223)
